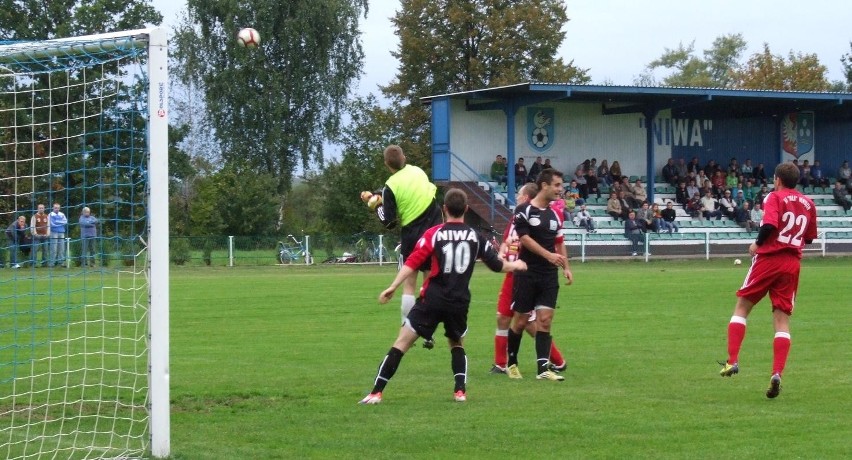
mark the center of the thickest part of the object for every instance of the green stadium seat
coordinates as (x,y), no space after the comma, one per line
(808,190)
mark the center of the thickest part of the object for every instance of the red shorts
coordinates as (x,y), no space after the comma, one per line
(777,274)
(504,299)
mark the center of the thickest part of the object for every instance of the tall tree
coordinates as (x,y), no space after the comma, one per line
(273,107)
(846,60)
(39,20)
(717,69)
(801,72)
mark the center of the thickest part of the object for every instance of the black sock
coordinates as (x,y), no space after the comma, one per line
(386,369)
(542,349)
(513,346)
(459,364)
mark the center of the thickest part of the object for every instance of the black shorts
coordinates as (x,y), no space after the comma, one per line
(534,289)
(424,321)
(413,231)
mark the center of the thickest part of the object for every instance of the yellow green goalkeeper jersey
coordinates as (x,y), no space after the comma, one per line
(413,193)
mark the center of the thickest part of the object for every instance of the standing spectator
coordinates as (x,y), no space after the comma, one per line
(613,207)
(535,170)
(805,176)
(580,179)
(633,232)
(584,220)
(759,174)
(669,219)
(603,173)
(58,226)
(709,205)
(40,230)
(544,252)
(789,222)
(844,173)
(18,239)
(445,296)
(818,176)
(682,173)
(840,197)
(614,172)
(88,237)
(520,173)
(408,201)
(682,194)
(498,170)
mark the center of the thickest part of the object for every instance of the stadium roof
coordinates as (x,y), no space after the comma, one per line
(710,102)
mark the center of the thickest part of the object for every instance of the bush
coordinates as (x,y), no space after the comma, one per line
(180,251)
(207,252)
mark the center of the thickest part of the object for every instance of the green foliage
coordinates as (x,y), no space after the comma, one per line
(846,60)
(272,107)
(37,20)
(234,201)
(179,251)
(717,69)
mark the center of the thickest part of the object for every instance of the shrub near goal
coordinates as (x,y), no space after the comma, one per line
(84,351)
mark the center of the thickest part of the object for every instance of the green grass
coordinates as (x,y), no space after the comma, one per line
(269,362)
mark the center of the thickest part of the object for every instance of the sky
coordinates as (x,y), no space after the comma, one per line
(616,39)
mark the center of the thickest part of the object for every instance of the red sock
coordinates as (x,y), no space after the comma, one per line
(555,356)
(501,345)
(781,348)
(736,334)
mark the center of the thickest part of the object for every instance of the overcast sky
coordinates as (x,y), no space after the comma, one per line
(616,39)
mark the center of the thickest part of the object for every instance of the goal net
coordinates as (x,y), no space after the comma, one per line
(84,291)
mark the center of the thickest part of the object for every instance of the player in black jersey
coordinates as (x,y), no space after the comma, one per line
(542,248)
(453,248)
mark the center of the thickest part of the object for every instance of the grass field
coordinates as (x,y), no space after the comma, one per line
(269,362)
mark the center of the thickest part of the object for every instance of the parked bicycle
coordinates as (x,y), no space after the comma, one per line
(292,249)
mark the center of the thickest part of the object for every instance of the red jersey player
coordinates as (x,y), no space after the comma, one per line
(789,222)
(509,249)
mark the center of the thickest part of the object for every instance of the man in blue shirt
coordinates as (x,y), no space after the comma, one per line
(58,226)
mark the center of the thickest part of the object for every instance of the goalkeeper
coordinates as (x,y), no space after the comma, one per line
(407,201)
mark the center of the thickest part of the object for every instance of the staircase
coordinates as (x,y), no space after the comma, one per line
(480,203)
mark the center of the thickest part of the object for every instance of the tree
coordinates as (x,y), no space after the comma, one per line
(35,20)
(846,60)
(272,107)
(800,72)
(717,69)
(450,46)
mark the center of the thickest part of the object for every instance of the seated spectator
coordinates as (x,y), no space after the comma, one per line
(718,183)
(759,174)
(746,169)
(844,173)
(749,191)
(535,169)
(615,172)
(805,177)
(702,179)
(682,194)
(733,166)
(498,170)
(669,219)
(613,207)
(757,214)
(727,205)
(570,198)
(693,166)
(711,168)
(739,197)
(692,189)
(819,179)
(694,206)
(731,180)
(625,203)
(681,170)
(761,195)
(633,232)
(709,205)
(592,183)
(639,194)
(580,178)
(603,173)
(645,217)
(743,218)
(546,164)
(520,173)
(584,220)
(840,197)
(670,172)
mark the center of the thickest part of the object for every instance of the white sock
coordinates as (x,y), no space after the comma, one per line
(406,304)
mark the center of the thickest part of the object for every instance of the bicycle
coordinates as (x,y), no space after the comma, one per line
(289,252)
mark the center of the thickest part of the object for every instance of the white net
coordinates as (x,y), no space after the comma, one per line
(74,300)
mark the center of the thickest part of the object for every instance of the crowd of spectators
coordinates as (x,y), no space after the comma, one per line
(45,233)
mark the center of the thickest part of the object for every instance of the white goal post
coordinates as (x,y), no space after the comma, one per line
(84,305)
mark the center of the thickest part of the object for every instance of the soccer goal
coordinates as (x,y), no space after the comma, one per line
(84,330)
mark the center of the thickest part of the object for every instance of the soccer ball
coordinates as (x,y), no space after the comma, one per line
(248,38)
(738,262)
